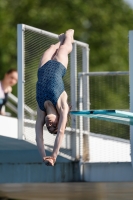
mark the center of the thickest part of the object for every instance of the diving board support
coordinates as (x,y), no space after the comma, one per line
(116,116)
(131,86)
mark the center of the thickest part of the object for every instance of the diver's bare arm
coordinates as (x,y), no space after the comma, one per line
(39,131)
(60,133)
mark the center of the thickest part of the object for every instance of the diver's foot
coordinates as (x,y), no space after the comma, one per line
(61,38)
(70,33)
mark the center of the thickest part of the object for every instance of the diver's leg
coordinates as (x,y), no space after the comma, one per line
(51,51)
(65,48)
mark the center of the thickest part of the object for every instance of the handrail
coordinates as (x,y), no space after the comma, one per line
(14,99)
(104,73)
(12,107)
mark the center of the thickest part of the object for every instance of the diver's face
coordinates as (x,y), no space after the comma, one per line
(51,123)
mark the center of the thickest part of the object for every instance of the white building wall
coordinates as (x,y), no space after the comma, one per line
(109,149)
(8,126)
(102,148)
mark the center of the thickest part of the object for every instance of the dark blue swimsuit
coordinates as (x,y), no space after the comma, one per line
(50,84)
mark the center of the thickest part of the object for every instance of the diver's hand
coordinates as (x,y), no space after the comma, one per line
(49,161)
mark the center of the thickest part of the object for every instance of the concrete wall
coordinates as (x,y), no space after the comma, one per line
(21,162)
(108,172)
(65,172)
(38,172)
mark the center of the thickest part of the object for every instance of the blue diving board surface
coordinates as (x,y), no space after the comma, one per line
(117,116)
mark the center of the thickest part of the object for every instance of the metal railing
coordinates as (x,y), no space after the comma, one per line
(81,76)
(12,105)
(40,39)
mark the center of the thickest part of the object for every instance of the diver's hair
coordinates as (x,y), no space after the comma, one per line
(54,133)
(51,133)
(68,119)
(11,71)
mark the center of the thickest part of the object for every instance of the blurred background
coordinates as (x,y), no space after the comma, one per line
(104,25)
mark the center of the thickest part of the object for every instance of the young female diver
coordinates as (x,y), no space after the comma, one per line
(51,97)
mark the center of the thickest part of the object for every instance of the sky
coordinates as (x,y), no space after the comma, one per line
(130,2)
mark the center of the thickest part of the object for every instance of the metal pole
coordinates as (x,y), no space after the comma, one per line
(52,35)
(73,80)
(131,86)
(86,101)
(20,66)
(85,68)
(115,73)
(81,127)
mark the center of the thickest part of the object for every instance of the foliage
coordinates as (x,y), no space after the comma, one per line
(103,24)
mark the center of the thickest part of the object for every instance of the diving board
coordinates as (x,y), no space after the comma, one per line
(117,116)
